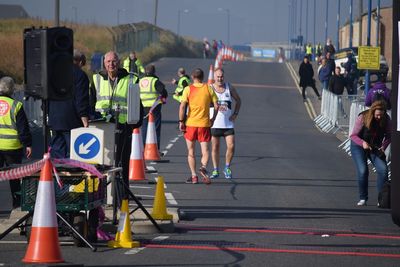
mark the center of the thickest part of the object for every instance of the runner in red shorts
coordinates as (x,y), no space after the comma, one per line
(197,97)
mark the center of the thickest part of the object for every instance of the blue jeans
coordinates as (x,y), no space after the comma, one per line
(157,122)
(360,157)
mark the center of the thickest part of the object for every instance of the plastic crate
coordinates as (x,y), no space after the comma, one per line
(80,191)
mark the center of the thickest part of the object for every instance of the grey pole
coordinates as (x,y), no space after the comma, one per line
(326,20)
(155,12)
(368,44)
(351,24)
(57,13)
(301,19)
(338,25)
(229,24)
(307,21)
(360,12)
(315,15)
(378,21)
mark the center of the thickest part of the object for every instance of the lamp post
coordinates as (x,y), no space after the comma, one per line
(118,13)
(178,29)
(75,10)
(351,24)
(338,25)
(228,22)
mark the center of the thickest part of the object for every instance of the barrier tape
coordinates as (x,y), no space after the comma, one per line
(158,101)
(27,170)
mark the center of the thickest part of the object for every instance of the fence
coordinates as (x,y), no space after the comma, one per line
(134,36)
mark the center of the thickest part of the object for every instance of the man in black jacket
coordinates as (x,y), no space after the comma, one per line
(71,113)
(306,73)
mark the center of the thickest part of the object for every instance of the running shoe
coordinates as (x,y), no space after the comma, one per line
(206,178)
(214,174)
(228,173)
(362,202)
(192,180)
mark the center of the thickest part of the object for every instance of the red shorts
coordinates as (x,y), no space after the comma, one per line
(201,134)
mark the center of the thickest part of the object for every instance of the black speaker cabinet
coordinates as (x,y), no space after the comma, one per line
(48,63)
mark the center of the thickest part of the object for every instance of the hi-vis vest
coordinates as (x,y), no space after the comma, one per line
(148,93)
(9,109)
(308,49)
(138,67)
(179,88)
(109,98)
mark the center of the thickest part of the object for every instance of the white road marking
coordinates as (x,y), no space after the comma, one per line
(169,146)
(134,251)
(149,196)
(150,168)
(170,198)
(164,152)
(160,238)
(141,187)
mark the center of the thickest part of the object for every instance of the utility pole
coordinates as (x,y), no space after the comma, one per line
(360,12)
(338,25)
(351,24)
(155,12)
(57,13)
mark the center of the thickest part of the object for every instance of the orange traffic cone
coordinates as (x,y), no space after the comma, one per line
(211,75)
(43,245)
(151,149)
(136,163)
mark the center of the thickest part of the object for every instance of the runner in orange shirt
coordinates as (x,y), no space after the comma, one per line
(197,97)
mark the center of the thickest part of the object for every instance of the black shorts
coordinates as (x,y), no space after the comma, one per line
(219,132)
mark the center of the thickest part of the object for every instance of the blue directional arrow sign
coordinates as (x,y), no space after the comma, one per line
(87,146)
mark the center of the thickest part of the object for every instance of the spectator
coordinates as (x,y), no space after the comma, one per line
(369,140)
(224,123)
(329,47)
(206,48)
(324,73)
(331,62)
(151,90)
(112,90)
(379,92)
(337,83)
(182,82)
(197,97)
(306,73)
(70,113)
(351,75)
(133,65)
(318,51)
(14,134)
(215,47)
(308,51)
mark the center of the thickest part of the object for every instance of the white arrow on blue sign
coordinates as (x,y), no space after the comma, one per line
(87,146)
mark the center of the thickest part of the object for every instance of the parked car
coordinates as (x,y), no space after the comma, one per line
(341,58)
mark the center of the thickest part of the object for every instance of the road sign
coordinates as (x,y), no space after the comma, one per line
(87,145)
(369,58)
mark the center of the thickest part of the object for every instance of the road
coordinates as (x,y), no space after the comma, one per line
(291,202)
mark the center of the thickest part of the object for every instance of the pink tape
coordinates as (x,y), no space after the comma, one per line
(21,172)
(82,165)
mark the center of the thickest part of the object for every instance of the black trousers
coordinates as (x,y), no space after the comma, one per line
(303,92)
(8,158)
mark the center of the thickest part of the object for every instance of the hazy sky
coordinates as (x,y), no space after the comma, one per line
(250,20)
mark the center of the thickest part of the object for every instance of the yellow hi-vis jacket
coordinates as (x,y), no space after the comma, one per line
(108,98)
(179,89)
(9,109)
(139,66)
(308,49)
(148,93)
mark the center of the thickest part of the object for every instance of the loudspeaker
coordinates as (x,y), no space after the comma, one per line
(48,63)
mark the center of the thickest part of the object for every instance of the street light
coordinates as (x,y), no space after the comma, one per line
(228,22)
(75,9)
(179,20)
(118,12)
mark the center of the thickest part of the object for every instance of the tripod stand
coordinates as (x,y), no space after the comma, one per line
(121,188)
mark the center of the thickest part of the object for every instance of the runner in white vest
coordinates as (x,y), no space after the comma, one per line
(224,123)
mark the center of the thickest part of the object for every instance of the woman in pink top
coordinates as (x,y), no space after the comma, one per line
(369,140)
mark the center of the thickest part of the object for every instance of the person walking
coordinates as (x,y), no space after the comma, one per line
(133,65)
(369,139)
(197,97)
(306,73)
(181,83)
(14,134)
(224,123)
(152,90)
(112,87)
(324,74)
(69,114)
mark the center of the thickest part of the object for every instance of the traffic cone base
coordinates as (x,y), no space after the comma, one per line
(123,238)
(45,238)
(159,207)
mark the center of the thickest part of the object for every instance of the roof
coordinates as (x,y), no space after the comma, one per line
(12,11)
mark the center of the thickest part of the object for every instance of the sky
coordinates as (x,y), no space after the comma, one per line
(249,20)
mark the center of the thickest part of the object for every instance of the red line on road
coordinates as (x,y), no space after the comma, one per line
(271,250)
(291,232)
